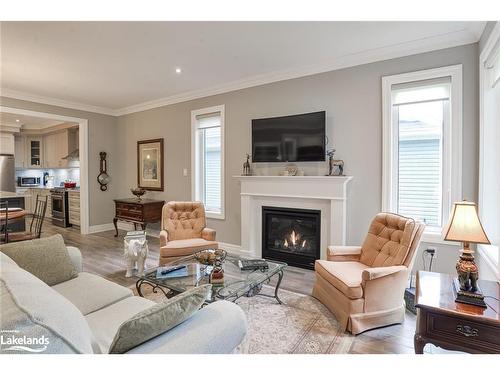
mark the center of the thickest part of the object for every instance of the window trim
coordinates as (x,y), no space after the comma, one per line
(203,111)
(488,49)
(452,149)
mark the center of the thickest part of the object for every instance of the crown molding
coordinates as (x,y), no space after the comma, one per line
(422,45)
(447,40)
(20,95)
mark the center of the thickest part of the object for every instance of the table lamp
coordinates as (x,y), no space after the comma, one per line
(464,226)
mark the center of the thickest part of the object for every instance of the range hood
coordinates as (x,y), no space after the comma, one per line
(74,155)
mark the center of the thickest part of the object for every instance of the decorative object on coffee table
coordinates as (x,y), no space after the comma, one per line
(464,226)
(140,212)
(209,257)
(247,170)
(138,192)
(335,166)
(150,164)
(103,178)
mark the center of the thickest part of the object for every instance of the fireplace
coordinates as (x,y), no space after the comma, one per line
(291,235)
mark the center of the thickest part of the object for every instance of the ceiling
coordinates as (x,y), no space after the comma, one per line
(26,122)
(121,67)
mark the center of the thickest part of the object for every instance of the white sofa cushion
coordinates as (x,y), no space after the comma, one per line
(30,308)
(104,323)
(89,292)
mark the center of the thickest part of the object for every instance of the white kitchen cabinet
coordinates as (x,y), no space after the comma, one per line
(6,143)
(34,152)
(20,151)
(56,146)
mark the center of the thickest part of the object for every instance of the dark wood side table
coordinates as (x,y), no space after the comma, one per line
(451,325)
(138,212)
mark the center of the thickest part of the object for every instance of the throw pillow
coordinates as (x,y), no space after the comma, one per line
(158,319)
(46,258)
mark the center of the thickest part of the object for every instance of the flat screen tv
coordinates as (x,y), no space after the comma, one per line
(289,138)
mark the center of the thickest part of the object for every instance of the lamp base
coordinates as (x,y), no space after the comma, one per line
(468,297)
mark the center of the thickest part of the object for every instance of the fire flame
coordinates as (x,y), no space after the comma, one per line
(294,240)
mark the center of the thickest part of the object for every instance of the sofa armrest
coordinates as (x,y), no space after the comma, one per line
(378,272)
(163,238)
(343,253)
(215,329)
(208,234)
(76,257)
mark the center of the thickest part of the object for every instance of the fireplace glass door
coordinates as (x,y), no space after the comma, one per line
(291,235)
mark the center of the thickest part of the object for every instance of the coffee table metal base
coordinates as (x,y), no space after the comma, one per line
(167,292)
(252,292)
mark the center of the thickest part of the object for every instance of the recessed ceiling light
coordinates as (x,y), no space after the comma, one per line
(17,120)
(178,70)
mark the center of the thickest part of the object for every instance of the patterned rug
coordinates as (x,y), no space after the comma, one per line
(302,325)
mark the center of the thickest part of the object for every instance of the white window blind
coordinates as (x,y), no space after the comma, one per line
(208,161)
(419,113)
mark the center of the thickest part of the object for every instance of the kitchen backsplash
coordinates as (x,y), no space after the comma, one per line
(60,175)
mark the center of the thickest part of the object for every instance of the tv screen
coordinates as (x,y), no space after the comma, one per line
(289,138)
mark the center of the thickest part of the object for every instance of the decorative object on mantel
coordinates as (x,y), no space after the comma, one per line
(138,192)
(150,164)
(103,178)
(464,226)
(335,166)
(247,170)
(292,170)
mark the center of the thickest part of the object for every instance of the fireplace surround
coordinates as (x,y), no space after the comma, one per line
(291,235)
(327,194)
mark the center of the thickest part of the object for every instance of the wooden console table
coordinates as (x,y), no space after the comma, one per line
(138,212)
(455,326)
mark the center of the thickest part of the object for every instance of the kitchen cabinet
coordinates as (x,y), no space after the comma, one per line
(34,148)
(56,146)
(7,143)
(74,207)
(20,151)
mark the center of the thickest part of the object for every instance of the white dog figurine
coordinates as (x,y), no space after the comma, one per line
(135,252)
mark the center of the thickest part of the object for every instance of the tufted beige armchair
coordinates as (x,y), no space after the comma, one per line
(364,285)
(183,231)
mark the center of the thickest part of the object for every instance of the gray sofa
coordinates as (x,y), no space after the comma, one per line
(217,328)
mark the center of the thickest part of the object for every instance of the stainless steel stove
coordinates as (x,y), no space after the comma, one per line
(60,207)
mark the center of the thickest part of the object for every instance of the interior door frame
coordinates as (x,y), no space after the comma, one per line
(83,143)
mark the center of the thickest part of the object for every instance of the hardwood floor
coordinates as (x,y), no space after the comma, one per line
(103,254)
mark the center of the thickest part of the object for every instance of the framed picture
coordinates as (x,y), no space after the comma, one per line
(150,164)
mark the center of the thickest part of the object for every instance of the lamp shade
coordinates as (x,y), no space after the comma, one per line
(464,224)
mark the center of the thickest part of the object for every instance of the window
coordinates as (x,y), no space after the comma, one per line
(422,146)
(489,156)
(208,159)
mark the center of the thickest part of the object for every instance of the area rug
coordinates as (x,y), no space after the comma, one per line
(302,325)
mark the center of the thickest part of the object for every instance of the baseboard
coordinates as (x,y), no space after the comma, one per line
(123,225)
(235,249)
(101,228)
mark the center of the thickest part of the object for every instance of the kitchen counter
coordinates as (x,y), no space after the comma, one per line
(11,194)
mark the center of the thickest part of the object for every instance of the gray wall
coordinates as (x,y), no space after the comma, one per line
(352,99)
(102,137)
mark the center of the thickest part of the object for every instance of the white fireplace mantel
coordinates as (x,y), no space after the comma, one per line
(325,193)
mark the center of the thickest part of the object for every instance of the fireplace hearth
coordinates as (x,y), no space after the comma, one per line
(291,235)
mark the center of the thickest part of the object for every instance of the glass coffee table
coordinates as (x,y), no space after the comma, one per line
(237,283)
